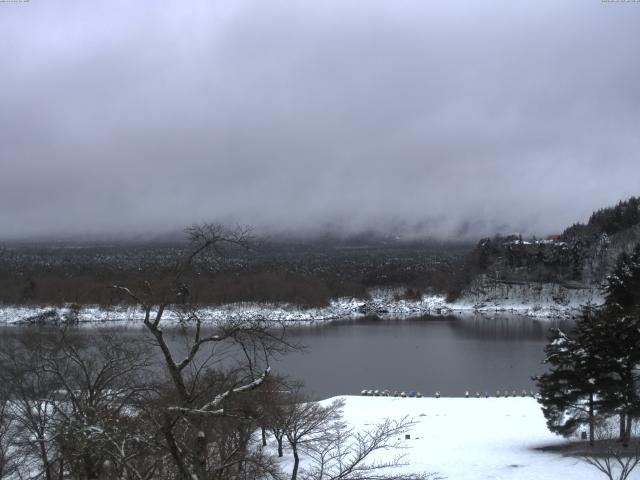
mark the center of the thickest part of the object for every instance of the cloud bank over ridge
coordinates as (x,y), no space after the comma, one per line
(449,118)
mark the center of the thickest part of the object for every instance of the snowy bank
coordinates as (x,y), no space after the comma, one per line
(533,299)
(471,439)
(538,301)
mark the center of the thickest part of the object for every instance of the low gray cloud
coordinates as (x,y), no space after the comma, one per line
(447,118)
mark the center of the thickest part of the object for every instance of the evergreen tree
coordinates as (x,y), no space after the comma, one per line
(623,286)
(593,335)
(597,370)
(619,341)
(568,390)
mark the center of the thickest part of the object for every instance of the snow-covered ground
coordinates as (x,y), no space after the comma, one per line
(383,303)
(471,439)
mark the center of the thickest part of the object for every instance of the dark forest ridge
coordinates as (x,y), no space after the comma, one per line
(305,271)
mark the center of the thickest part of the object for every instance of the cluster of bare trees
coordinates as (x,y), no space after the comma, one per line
(188,402)
(73,405)
(96,407)
(320,444)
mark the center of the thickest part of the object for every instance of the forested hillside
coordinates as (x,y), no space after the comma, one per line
(305,272)
(579,258)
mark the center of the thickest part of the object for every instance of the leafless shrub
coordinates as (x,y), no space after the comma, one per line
(344,453)
(615,461)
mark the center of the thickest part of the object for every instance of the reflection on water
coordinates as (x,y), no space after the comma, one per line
(506,327)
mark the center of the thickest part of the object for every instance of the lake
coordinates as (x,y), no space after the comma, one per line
(426,354)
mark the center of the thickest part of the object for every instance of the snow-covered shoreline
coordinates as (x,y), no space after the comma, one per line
(462,439)
(383,303)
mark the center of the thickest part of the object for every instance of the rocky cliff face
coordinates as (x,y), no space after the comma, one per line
(562,273)
(600,255)
(486,293)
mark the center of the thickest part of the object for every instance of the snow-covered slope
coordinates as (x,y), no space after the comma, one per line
(528,298)
(472,439)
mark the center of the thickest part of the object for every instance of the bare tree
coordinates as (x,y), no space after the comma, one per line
(270,400)
(616,462)
(306,422)
(9,456)
(332,450)
(346,454)
(193,402)
(31,395)
(75,404)
(104,386)
(275,419)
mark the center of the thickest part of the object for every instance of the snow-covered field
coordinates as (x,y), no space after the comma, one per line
(471,439)
(382,303)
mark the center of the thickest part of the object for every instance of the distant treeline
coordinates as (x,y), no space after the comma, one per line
(304,274)
(624,215)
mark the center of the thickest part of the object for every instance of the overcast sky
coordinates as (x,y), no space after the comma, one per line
(456,117)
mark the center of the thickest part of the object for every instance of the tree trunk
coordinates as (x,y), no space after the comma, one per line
(174,372)
(627,431)
(201,455)
(264,436)
(279,447)
(45,459)
(244,442)
(591,420)
(296,463)
(622,427)
(176,454)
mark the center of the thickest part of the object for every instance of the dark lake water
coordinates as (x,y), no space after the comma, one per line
(427,354)
(446,354)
